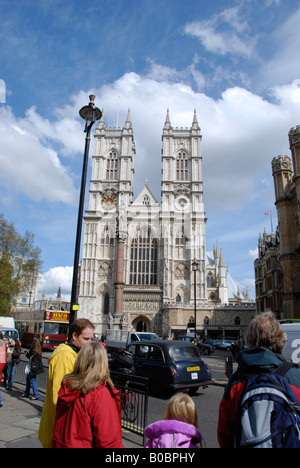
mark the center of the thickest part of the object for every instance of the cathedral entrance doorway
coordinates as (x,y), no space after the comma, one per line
(141,324)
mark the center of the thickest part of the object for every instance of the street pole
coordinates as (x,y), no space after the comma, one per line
(90,114)
(195,268)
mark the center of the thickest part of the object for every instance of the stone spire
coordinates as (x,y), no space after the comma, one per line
(167,125)
(128,123)
(195,121)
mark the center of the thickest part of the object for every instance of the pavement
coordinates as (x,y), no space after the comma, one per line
(20,420)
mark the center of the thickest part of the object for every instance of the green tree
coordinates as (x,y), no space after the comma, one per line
(19,261)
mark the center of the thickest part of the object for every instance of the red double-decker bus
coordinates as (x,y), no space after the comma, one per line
(46,319)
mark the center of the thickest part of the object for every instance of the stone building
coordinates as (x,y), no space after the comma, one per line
(138,254)
(277,270)
(268,277)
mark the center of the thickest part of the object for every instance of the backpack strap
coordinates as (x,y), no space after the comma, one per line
(283,368)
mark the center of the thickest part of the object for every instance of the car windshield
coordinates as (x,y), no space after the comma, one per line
(147,336)
(56,328)
(178,353)
(10,334)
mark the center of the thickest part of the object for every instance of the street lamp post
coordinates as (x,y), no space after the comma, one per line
(195,268)
(90,114)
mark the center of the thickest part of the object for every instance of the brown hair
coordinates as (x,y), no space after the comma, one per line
(79,325)
(265,331)
(36,346)
(17,344)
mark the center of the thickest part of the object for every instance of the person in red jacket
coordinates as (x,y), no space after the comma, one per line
(88,411)
(3,358)
(265,342)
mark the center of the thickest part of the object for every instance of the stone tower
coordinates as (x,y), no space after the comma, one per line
(111,190)
(286,174)
(182,214)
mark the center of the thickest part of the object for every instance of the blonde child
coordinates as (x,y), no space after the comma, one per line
(179,428)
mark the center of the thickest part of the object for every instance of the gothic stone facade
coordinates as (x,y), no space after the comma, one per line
(278,265)
(136,269)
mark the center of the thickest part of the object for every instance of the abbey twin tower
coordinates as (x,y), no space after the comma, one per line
(144,263)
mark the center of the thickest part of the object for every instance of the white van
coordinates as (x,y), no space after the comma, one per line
(292,350)
(7,328)
(7,322)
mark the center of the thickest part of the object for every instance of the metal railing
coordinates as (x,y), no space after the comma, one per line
(134,401)
(41,379)
(133,392)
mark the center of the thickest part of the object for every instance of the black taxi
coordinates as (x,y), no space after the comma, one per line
(170,365)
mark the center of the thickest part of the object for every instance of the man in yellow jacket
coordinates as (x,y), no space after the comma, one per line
(61,363)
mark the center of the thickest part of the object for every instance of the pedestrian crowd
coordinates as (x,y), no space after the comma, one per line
(260,406)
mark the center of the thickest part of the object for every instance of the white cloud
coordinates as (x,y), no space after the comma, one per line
(282,65)
(218,43)
(66,130)
(234,40)
(57,277)
(189,75)
(248,283)
(253,254)
(2,91)
(30,166)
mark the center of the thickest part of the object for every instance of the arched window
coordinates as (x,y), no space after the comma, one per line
(106,304)
(180,243)
(107,242)
(143,259)
(181,166)
(106,238)
(210,280)
(112,166)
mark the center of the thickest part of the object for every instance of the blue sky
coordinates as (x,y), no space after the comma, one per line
(235,62)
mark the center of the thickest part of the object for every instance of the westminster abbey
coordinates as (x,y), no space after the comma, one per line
(144,263)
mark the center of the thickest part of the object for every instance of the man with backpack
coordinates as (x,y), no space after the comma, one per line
(261,403)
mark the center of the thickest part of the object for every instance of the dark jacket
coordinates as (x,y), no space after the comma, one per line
(16,355)
(254,360)
(36,363)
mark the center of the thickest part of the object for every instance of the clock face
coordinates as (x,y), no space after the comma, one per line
(109,202)
(182,203)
